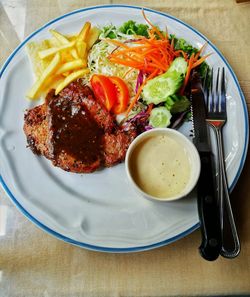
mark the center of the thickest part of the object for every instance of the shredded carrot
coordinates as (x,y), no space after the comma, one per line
(166,30)
(201,60)
(136,97)
(153,27)
(190,64)
(172,44)
(200,51)
(148,55)
(117,43)
(127,72)
(150,107)
(152,75)
(185,56)
(152,55)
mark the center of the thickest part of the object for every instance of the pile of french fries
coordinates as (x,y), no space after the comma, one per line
(60,60)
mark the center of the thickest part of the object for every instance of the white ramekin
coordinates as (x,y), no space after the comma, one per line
(191,150)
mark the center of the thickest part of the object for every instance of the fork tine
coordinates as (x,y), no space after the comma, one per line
(204,81)
(223,92)
(205,87)
(210,94)
(217,92)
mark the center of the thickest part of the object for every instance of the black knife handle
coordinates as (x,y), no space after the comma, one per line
(208,210)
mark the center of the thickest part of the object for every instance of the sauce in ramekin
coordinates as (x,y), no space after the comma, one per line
(160,166)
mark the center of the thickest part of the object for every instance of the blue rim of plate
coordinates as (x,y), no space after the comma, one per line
(161,243)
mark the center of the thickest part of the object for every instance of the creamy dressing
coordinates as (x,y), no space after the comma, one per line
(160,166)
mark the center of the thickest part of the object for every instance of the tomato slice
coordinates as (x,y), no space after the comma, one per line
(122,95)
(104,90)
(111,91)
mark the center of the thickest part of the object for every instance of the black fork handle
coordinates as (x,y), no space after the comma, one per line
(208,209)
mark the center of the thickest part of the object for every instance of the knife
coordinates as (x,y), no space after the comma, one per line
(208,206)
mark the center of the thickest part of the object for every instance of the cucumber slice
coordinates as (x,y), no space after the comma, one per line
(179,65)
(159,88)
(160,117)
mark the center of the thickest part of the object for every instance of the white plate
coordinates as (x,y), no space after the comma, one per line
(100,211)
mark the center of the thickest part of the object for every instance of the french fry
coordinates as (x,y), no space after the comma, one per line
(71,66)
(66,73)
(63,41)
(66,57)
(55,81)
(92,37)
(74,53)
(84,32)
(51,68)
(60,37)
(73,76)
(61,59)
(51,51)
(51,83)
(81,47)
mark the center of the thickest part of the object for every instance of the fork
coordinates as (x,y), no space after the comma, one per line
(216,118)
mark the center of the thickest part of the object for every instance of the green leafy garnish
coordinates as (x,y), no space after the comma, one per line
(109,32)
(132,28)
(182,44)
(177,103)
(204,70)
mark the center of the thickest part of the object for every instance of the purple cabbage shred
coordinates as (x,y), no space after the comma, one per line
(138,122)
(139,81)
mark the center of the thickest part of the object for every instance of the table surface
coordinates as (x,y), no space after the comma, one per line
(32,263)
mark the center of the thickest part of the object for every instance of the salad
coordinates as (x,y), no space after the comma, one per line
(137,71)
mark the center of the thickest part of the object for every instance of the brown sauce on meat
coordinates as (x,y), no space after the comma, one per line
(74,131)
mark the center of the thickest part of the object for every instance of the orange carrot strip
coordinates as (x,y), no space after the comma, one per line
(151,33)
(166,32)
(134,49)
(133,57)
(135,98)
(201,60)
(116,42)
(130,57)
(157,63)
(164,56)
(139,92)
(200,50)
(149,51)
(190,64)
(150,107)
(127,72)
(140,41)
(183,53)
(172,44)
(154,27)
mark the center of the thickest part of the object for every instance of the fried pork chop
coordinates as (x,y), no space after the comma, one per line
(75,132)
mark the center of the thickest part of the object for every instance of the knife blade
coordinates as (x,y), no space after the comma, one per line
(208,206)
